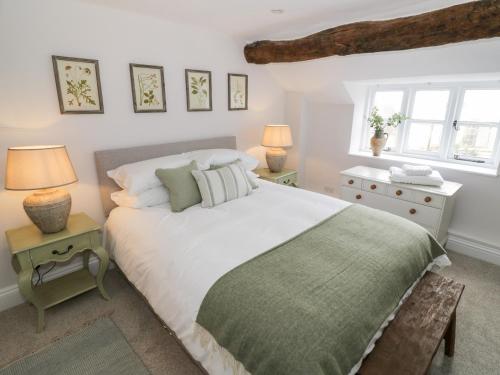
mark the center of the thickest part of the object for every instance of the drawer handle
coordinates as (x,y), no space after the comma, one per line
(373,187)
(399,192)
(57,252)
(427,199)
(358,196)
(413,211)
(350,182)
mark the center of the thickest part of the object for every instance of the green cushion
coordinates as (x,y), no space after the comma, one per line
(181,186)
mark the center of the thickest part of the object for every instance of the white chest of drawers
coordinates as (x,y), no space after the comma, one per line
(431,207)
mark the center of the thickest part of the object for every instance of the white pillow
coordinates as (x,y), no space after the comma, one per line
(219,156)
(140,176)
(148,198)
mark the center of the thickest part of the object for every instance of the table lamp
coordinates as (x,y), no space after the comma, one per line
(277,138)
(42,168)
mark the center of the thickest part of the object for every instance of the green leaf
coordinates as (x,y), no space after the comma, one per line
(194,92)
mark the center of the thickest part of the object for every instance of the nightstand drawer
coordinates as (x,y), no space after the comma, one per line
(290,179)
(60,250)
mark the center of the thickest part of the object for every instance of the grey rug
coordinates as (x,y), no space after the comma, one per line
(98,349)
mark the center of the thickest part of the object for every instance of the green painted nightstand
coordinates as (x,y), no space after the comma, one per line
(285,177)
(31,248)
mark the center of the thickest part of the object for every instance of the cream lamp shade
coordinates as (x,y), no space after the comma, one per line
(277,136)
(42,167)
(38,167)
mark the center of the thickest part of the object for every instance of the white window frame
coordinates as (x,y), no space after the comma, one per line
(455,100)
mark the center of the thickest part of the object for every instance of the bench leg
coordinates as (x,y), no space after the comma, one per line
(449,337)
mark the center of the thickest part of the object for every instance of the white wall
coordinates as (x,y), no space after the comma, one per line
(329,116)
(32,31)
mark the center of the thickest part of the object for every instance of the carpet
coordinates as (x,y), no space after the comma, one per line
(99,348)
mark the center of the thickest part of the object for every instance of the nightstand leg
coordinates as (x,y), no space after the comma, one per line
(86,258)
(24,278)
(41,320)
(103,266)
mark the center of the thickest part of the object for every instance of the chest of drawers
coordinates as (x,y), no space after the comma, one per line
(431,207)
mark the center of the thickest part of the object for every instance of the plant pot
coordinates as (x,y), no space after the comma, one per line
(377,143)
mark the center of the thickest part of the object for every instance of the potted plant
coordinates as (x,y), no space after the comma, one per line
(376,121)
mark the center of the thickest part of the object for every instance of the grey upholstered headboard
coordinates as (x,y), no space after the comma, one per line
(106,160)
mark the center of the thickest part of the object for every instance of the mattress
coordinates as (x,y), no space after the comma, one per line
(174,259)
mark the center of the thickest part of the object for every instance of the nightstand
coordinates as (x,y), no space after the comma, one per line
(31,248)
(285,177)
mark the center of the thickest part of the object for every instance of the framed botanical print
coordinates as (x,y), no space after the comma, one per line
(237,91)
(148,88)
(198,90)
(78,85)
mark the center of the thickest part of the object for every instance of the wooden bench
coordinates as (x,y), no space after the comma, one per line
(411,340)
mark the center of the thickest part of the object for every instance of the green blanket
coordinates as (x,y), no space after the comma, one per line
(312,305)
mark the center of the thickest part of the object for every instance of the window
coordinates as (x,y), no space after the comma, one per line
(458,123)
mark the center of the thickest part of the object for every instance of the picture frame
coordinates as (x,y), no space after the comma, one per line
(198,90)
(78,85)
(237,92)
(148,88)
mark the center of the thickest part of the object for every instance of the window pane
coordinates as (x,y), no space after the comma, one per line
(424,137)
(475,141)
(481,106)
(388,102)
(430,104)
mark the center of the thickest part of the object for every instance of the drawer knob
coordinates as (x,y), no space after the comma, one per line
(373,187)
(427,199)
(399,192)
(350,182)
(358,196)
(57,252)
(413,211)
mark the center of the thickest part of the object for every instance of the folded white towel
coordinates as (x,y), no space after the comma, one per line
(399,176)
(417,170)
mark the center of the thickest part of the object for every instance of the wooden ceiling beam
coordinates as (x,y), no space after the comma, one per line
(459,23)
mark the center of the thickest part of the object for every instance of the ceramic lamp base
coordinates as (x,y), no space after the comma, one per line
(48,209)
(276,158)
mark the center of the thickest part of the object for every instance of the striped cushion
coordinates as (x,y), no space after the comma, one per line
(223,184)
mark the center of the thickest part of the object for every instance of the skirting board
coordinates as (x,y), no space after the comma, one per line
(473,248)
(10,296)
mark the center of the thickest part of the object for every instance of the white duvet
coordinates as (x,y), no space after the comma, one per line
(174,258)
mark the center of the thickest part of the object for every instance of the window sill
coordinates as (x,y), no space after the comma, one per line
(433,163)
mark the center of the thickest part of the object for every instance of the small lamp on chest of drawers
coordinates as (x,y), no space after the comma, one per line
(42,168)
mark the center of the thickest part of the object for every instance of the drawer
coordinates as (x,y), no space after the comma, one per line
(290,179)
(61,250)
(400,193)
(353,182)
(426,216)
(364,197)
(374,187)
(428,199)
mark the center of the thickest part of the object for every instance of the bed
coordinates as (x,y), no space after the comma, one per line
(251,286)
